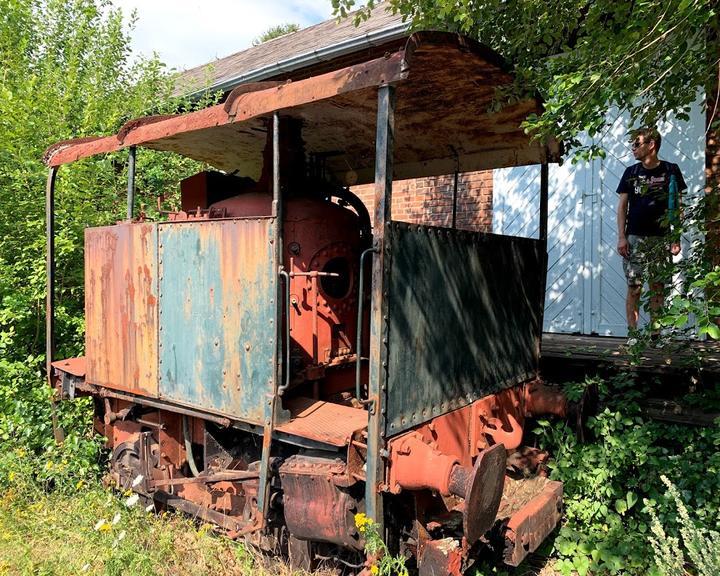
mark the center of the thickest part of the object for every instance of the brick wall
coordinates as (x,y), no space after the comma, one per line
(430,200)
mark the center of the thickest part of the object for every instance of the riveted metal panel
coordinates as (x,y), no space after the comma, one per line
(217,315)
(121,307)
(463,319)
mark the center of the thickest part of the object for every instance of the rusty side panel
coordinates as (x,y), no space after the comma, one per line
(121,307)
(217,315)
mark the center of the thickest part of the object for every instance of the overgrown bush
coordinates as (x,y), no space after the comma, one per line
(66,71)
(613,481)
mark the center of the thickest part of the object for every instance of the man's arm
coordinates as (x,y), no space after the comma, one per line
(622,245)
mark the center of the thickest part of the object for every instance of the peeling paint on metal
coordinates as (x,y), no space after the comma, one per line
(217,291)
(121,307)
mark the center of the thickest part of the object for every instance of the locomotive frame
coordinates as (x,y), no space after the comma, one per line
(236,382)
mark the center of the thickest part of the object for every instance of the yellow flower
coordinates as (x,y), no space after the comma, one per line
(79,484)
(374,569)
(362,522)
(103,526)
(11,476)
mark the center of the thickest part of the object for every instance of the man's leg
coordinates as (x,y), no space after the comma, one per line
(632,306)
(632,266)
(659,272)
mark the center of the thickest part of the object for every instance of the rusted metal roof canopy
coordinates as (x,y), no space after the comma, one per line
(445,86)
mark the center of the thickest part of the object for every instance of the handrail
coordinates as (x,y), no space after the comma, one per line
(286,383)
(358,340)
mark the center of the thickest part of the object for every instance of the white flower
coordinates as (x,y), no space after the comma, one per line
(85,567)
(139,478)
(121,535)
(150,508)
(130,502)
(116,518)
(100,523)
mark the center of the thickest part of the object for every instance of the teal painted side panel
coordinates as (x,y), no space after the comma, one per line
(217,315)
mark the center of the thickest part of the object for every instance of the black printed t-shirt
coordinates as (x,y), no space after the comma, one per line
(648,193)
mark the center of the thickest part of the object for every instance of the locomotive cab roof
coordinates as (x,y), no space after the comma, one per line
(446,118)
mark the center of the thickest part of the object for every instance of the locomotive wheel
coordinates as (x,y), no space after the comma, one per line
(126,463)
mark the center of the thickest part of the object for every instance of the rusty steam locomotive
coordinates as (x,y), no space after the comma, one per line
(275,359)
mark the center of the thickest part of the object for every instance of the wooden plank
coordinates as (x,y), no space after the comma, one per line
(680,355)
(672,411)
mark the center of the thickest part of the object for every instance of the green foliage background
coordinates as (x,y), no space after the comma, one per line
(66,72)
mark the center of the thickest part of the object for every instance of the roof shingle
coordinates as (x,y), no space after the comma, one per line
(282,56)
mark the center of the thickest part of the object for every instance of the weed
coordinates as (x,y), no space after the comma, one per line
(383,563)
(701,545)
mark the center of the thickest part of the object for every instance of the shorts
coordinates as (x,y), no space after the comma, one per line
(649,260)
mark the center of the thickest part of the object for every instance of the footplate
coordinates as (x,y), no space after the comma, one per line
(532,508)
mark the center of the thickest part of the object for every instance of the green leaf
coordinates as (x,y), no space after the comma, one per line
(631,499)
(621,506)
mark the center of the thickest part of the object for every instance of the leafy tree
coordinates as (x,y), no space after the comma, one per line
(66,72)
(275,32)
(646,57)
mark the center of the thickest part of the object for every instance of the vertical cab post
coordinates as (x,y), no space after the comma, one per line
(50,292)
(272,398)
(543,227)
(131,183)
(378,326)
(50,271)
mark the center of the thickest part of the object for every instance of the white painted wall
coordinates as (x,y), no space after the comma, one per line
(586,286)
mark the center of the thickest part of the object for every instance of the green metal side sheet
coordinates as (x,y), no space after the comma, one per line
(463,319)
(217,315)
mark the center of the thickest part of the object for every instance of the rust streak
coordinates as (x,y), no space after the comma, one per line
(381,70)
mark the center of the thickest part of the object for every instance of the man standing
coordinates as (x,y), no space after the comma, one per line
(648,205)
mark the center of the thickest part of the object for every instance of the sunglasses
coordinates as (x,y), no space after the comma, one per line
(635,145)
